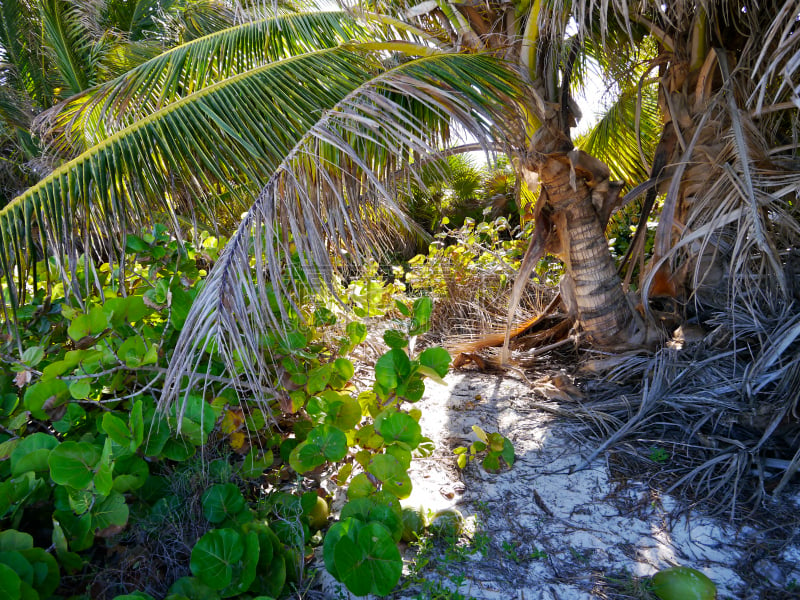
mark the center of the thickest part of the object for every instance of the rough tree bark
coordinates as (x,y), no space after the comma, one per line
(602,310)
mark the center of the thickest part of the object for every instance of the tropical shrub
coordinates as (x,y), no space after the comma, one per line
(224,488)
(470,270)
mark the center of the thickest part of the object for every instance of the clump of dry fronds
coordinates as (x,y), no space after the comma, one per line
(725,408)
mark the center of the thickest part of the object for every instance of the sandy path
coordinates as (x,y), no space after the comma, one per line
(595,532)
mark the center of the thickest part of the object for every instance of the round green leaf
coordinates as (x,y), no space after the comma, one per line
(392,368)
(318,378)
(401,452)
(413,389)
(271,571)
(422,310)
(80,389)
(372,564)
(32,356)
(191,587)
(79,501)
(9,583)
(331,440)
(92,323)
(199,419)
(324,442)
(74,417)
(344,368)
(46,575)
(128,310)
(111,511)
(392,473)
(344,527)
(78,529)
(31,453)
(491,462)
(360,487)
(72,463)
(214,556)
(508,452)
(397,426)
(50,394)
(178,449)
(255,465)
(20,565)
(357,332)
(116,429)
(305,457)
(395,339)
(343,411)
(437,359)
(130,473)
(368,510)
(12,540)
(244,571)
(70,561)
(8,402)
(222,501)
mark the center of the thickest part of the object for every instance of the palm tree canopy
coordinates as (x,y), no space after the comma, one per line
(278,105)
(282,111)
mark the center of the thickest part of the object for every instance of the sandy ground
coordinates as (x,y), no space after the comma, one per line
(559,534)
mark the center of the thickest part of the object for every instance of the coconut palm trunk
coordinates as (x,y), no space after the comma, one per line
(597,296)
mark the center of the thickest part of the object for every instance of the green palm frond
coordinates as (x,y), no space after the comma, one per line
(613,139)
(322,201)
(93,116)
(20,38)
(134,17)
(227,135)
(187,21)
(70,44)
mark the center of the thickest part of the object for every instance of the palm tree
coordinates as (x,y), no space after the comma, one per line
(301,111)
(303,120)
(52,50)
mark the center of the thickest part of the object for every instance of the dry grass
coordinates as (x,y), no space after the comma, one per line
(154,553)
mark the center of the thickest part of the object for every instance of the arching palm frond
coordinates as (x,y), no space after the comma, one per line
(321,203)
(95,115)
(230,134)
(324,129)
(779,59)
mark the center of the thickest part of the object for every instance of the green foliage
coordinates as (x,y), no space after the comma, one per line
(457,189)
(495,445)
(474,265)
(83,442)
(658,455)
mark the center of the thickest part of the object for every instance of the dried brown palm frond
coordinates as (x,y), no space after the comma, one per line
(321,205)
(726,408)
(777,64)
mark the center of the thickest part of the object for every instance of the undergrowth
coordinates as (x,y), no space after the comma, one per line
(102,496)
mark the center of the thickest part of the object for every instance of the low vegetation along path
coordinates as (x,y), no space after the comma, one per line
(543,530)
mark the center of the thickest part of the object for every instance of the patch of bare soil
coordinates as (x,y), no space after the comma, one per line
(544,530)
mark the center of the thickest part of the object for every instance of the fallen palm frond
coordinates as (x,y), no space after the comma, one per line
(726,408)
